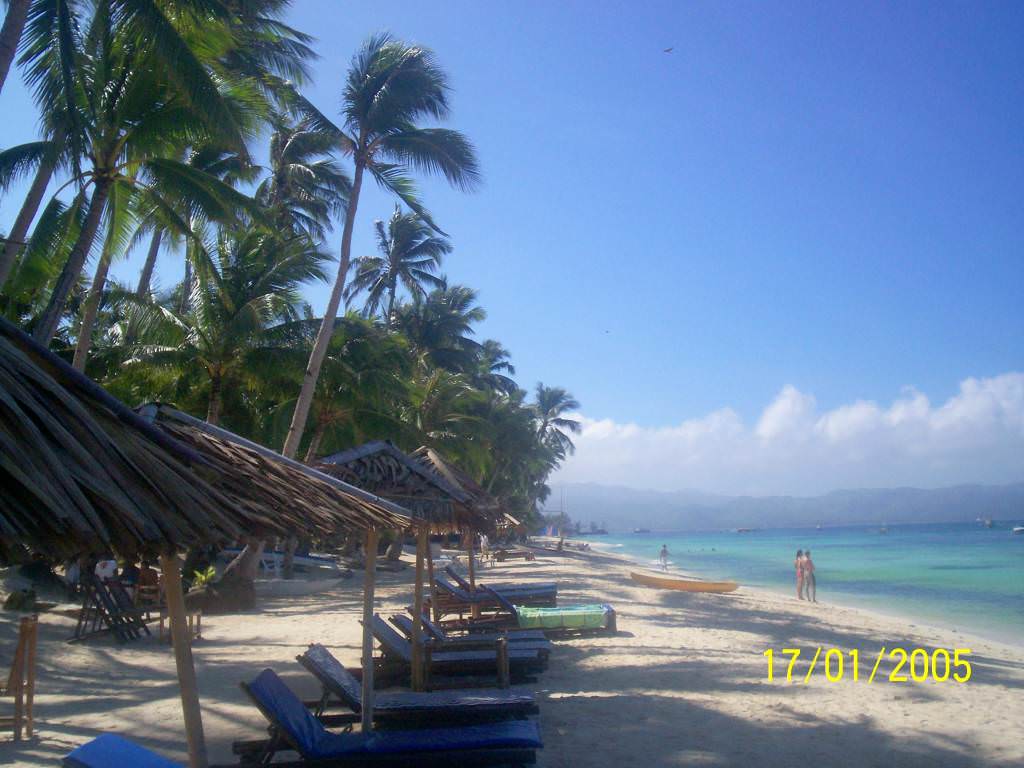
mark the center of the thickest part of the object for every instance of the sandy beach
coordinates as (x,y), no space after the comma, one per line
(682,683)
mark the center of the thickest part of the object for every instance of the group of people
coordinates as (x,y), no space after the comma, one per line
(105,567)
(806,586)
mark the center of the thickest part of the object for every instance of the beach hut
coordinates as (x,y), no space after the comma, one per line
(82,471)
(440,503)
(483,508)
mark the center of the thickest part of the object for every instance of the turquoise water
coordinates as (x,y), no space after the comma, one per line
(958,575)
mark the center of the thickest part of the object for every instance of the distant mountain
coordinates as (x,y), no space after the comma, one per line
(621,508)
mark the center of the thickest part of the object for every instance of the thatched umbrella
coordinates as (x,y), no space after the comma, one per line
(82,471)
(443,505)
(482,506)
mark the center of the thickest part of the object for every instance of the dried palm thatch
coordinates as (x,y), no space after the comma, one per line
(380,467)
(482,505)
(82,471)
(275,491)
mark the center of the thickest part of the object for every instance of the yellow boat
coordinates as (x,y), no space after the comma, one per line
(681,584)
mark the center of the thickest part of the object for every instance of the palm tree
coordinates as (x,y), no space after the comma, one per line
(410,254)
(10,35)
(390,86)
(553,427)
(439,327)
(243,306)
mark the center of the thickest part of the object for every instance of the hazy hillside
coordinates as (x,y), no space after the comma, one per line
(625,508)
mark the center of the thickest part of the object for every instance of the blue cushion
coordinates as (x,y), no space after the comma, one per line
(338,679)
(392,642)
(112,751)
(316,742)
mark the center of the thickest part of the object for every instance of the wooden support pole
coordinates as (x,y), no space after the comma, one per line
(370,556)
(430,580)
(183,661)
(475,609)
(422,544)
(30,673)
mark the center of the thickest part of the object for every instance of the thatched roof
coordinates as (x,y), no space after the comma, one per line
(380,467)
(81,471)
(483,504)
(272,488)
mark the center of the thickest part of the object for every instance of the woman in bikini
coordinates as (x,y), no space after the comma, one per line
(799,565)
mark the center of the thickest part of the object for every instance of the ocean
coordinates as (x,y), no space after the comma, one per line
(958,575)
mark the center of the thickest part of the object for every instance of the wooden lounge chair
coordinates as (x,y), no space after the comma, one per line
(511,633)
(339,685)
(452,599)
(21,682)
(569,619)
(293,727)
(106,607)
(397,653)
(545,593)
(444,642)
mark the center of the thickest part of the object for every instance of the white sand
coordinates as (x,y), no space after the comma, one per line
(683,683)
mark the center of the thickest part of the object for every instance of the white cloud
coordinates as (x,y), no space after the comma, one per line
(975,436)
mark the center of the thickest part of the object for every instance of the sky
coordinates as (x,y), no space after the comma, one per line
(779,255)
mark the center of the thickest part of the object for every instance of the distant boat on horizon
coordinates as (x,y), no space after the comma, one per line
(1018,529)
(641,530)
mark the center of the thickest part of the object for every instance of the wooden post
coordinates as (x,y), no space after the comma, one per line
(183,661)
(422,544)
(370,556)
(504,675)
(30,673)
(430,579)
(475,609)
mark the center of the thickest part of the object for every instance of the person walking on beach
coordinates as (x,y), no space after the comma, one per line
(663,557)
(799,565)
(810,587)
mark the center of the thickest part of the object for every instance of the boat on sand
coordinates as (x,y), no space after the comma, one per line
(681,583)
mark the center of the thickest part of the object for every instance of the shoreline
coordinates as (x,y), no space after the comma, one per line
(683,681)
(996,639)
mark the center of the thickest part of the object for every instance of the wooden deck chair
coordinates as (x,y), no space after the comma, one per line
(106,606)
(21,682)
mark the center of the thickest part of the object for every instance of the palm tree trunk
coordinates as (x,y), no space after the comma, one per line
(47,327)
(91,307)
(323,336)
(10,35)
(28,211)
(314,443)
(391,305)
(213,408)
(146,276)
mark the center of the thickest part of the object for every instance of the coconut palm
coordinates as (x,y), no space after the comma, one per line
(243,305)
(439,327)
(391,86)
(10,35)
(553,426)
(410,254)
(306,186)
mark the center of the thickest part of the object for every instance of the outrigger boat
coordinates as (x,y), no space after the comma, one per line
(681,583)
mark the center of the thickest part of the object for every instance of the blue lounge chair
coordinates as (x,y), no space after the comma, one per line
(402,707)
(513,634)
(111,751)
(398,652)
(443,642)
(511,742)
(537,594)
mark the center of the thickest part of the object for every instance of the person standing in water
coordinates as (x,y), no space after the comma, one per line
(799,565)
(810,587)
(663,557)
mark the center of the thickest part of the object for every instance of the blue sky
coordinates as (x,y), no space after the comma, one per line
(821,195)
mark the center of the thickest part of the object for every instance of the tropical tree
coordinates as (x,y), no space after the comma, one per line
(10,35)
(439,327)
(390,87)
(306,186)
(553,425)
(242,307)
(410,254)
(133,118)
